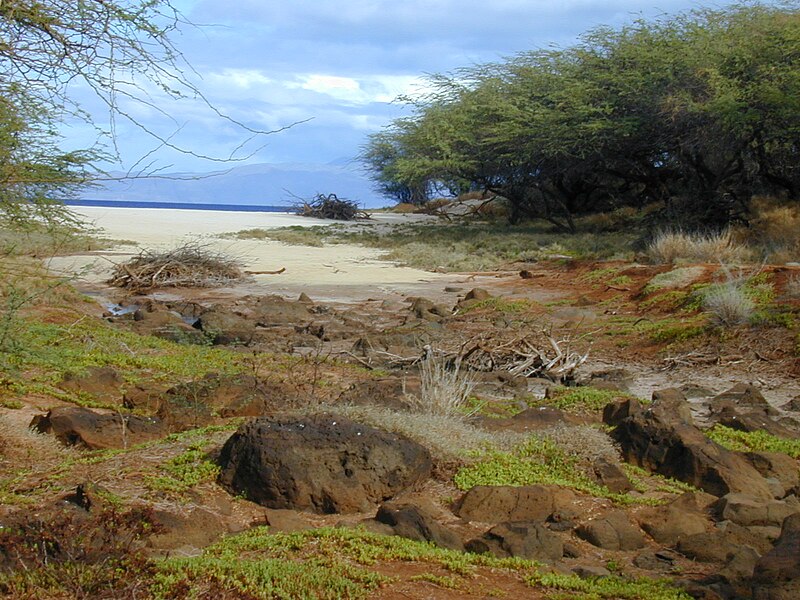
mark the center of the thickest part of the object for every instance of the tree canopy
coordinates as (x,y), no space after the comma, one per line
(697,112)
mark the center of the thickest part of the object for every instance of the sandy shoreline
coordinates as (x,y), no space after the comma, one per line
(335,272)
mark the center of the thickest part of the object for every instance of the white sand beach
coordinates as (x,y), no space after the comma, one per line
(334,272)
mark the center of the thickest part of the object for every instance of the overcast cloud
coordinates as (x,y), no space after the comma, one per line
(340,64)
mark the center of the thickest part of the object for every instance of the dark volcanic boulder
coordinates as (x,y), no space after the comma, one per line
(777,573)
(415,523)
(322,463)
(103,382)
(77,426)
(660,439)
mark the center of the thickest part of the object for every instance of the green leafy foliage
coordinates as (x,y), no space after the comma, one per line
(580,399)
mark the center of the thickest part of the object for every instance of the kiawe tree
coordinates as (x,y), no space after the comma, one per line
(119,50)
(696,112)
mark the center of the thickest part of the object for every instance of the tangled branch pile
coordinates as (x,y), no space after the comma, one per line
(331,207)
(189,265)
(522,357)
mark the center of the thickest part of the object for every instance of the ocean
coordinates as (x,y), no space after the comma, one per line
(180,205)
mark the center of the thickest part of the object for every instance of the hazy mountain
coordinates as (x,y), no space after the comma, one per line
(260,184)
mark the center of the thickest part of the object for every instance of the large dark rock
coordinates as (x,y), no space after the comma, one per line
(777,573)
(744,397)
(494,504)
(322,463)
(532,541)
(660,439)
(613,531)
(77,426)
(778,466)
(611,475)
(415,523)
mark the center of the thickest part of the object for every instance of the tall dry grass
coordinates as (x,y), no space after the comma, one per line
(671,246)
(445,387)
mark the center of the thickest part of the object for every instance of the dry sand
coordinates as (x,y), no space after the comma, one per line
(334,272)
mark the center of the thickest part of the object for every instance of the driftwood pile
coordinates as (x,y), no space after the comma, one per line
(523,357)
(330,207)
(189,265)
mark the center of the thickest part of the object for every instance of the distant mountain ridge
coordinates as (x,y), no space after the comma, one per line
(258,184)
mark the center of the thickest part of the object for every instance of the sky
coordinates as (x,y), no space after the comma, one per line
(334,69)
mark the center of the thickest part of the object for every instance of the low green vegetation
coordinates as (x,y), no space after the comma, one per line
(465,246)
(322,563)
(536,461)
(757,441)
(185,471)
(580,399)
(500,305)
(613,588)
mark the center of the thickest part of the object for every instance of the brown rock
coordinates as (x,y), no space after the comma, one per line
(102,382)
(611,476)
(77,426)
(721,543)
(322,463)
(226,327)
(528,540)
(781,563)
(415,523)
(747,510)
(614,531)
(680,519)
(777,466)
(494,504)
(391,392)
(660,439)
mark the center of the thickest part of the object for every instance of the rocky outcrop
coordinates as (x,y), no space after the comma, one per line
(224,326)
(77,426)
(662,439)
(777,573)
(494,504)
(682,518)
(415,523)
(746,510)
(532,541)
(322,463)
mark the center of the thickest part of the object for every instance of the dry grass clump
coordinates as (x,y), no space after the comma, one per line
(444,386)
(669,247)
(587,443)
(331,207)
(728,304)
(189,265)
(446,437)
(775,227)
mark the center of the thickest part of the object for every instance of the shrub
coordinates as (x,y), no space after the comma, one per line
(672,246)
(775,227)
